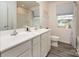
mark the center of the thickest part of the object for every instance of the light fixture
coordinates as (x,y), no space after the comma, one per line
(22,5)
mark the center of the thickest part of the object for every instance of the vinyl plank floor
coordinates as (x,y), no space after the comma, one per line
(63,50)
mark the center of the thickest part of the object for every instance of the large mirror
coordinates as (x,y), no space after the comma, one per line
(27,14)
(19,14)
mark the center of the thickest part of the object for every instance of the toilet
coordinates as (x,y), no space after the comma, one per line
(54,41)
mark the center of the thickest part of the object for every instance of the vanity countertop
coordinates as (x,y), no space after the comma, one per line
(8,41)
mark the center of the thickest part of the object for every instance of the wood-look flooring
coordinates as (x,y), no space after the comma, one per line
(63,50)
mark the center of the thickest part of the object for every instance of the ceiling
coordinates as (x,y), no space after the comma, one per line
(27,4)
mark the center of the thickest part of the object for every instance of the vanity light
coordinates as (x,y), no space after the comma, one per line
(22,5)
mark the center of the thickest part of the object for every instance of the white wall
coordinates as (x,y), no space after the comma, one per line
(24,17)
(77,19)
(44,21)
(48,19)
(52,18)
(77,28)
(64,34)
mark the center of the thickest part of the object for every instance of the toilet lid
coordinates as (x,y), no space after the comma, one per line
(55,36)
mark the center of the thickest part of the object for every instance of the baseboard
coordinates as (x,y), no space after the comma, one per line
(48,52)
(65,43)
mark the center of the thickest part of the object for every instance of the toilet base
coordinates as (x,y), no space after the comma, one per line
(55,44)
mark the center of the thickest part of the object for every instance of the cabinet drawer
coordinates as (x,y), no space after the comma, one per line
(15,51)
(36,40)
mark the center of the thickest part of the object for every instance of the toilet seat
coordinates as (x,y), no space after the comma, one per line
(55,38)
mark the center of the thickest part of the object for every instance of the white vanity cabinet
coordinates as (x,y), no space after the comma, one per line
(36,46)
(34,51)
(45,44)
(32,46)
(18,50)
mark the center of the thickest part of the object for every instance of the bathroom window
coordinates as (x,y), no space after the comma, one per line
(64,20)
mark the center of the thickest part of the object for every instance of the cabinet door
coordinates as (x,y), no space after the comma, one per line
(27,53)
(43,48)
(3,15)
(45,44)
(36,50)
(48,41)
(36,46)
(18,50)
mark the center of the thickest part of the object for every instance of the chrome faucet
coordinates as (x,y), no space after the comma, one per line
(14,32)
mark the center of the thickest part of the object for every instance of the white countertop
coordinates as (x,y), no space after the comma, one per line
(8,41)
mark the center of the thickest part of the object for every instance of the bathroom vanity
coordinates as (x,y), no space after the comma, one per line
(25,44)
